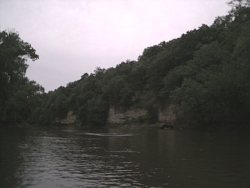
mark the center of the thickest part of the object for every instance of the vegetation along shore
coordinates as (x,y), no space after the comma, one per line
(199,79)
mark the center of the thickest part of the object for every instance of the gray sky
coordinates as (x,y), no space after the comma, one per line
(73,37)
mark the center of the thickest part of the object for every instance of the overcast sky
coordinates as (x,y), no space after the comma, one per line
(73,37)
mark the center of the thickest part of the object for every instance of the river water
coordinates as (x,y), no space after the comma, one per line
(70,157)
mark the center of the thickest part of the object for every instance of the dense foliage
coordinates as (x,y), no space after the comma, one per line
(204,73)
(17,93)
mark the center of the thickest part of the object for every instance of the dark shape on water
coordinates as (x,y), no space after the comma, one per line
(168,126)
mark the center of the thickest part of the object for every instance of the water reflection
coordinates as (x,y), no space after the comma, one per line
(10,157)
(69,157)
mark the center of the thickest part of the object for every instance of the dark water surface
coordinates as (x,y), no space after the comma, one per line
(72,157)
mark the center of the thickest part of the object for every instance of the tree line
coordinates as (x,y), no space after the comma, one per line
(204,73)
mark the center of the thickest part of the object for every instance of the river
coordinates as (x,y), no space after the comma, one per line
(71,157)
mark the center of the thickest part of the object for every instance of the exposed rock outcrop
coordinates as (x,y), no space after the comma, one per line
(166,114)
(119,117)
(69,119)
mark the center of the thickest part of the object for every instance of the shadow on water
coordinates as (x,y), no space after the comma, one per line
(123,157)
(11,157)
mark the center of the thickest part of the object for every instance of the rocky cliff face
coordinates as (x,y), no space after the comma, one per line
(69,119)
(165,115)
(118,117)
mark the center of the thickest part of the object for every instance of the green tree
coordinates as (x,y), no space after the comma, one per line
(15,89)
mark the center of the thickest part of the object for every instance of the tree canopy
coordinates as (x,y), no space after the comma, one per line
(17,92)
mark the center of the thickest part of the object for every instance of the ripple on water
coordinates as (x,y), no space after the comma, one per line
(106,134)
(146,158)
(76,162)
